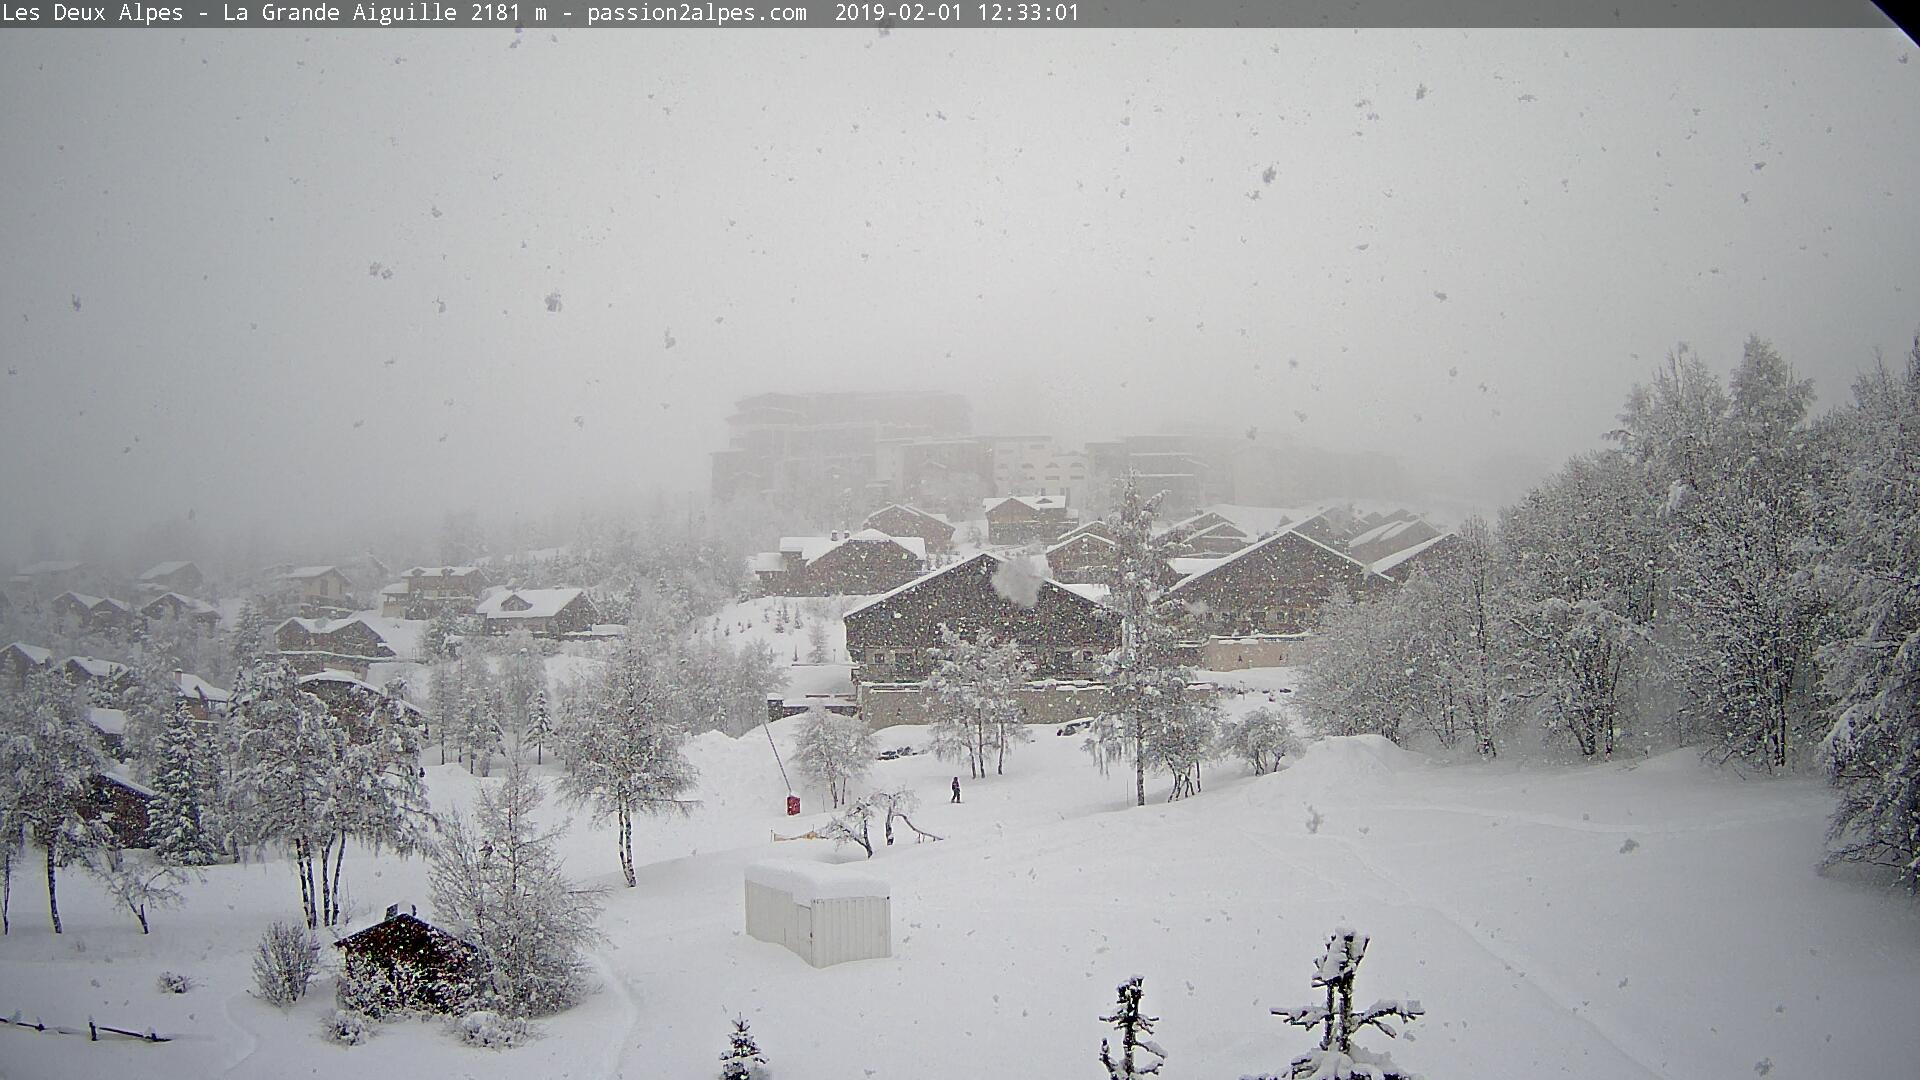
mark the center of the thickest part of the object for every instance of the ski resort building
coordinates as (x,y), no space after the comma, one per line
(860,564)
(891,639)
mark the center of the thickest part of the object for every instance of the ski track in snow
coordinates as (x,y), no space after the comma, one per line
(1523,965)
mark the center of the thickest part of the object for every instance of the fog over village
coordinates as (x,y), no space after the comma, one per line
(910,554)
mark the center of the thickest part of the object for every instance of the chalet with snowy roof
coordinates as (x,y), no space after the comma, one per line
(891,638)
(1384,539)
(179,576)
(424,591)
(173,605)
(544,612)
(901,520)
(312,645)
(359,705)
(93,614)
(860,564)
(417,965)
(204,700)
(1093,527)
(111,725)
(103,680)
(1084,558)
(20,660)
(1426,556)
(1274,588)
(1026,519)
(322,588)
(123,806)
(1222,538)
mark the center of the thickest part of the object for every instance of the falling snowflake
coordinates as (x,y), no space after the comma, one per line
(671,341)
(1420,92)
(1267,176)
(553,301)
(1438,295)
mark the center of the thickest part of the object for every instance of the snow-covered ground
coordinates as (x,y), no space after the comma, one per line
(1651,918)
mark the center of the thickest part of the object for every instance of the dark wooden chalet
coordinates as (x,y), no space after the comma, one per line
(1275,586)
(1095,527)
(123,806)
(313,645)
(542,612)
(415,964)
(103,680)
(19,660)
(902,520)
(1027,519)
(1087,558)
(892,637)
(862,564)
(424,591)
(179,576)
(1223,538)
(359,706)
(92,613)
(173,605)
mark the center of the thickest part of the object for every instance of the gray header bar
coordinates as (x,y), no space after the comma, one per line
(913,14)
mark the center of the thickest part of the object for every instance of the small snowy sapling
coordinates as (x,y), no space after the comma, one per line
(1139,1055)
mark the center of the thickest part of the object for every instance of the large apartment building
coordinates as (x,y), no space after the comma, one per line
(828,442)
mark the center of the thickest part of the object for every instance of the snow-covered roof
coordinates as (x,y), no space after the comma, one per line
(542,603)
(337,677)
(1093,591)
(51,567)
(108,721)
(301,572)
(34,653)
(1257,520)
(92,602)
(1036,502)
(1383,532)
(1260,545)
(1078,537)
(441,571)
(766,562)
(99,669)
(198,607)
(1393,561)
(911,510)
(165,569)
(398,588)
(810,548)
(1187,567)
(898,589)
(805,881)
(194,686)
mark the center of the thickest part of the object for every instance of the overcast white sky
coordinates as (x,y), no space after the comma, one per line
(1077,228)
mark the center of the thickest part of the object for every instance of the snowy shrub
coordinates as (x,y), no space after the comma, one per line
(346,1028)
(491,1030)
(284,963)
(1139,1055)
(1262,737)
(1337,1056)
(174,983)
(377,991)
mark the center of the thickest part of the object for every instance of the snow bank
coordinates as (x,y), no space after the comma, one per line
(1347,759)
(807,881)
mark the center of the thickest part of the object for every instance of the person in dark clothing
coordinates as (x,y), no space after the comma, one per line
(956,789)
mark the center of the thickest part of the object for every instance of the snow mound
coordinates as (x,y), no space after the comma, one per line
(1346,758)
(806,881)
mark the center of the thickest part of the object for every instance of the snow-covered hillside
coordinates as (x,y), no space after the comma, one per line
(1647,918)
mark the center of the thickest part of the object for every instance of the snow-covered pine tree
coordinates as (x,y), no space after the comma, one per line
(743,1059)
(1873,672)
(182,793)
(1148,689)
(1139,1054)
(539,724)
(251,633)
(49,760)
(973,706)
(625,754)
(834,750)
(437,641)
(497,881)
(1337,1058)
(478,727)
